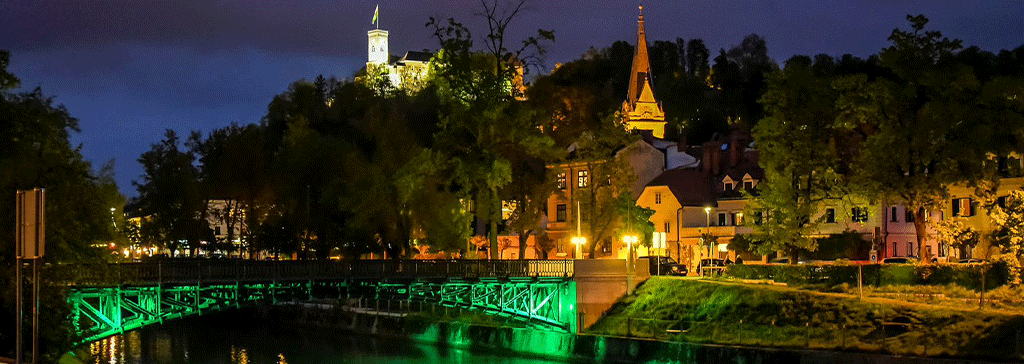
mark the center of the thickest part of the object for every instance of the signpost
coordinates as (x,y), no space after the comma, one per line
(30,236)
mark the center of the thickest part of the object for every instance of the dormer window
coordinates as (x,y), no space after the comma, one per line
(728,184)
(748,182)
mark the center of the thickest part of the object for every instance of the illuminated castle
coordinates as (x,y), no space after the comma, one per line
(409,72)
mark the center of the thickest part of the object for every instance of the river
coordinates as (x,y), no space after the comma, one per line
(239,338)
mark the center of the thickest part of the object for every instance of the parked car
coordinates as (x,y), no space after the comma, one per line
(665,266)
(900,260)
(970,261)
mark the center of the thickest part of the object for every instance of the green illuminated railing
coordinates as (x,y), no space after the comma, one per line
(113,298)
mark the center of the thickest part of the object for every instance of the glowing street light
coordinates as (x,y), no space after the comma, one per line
(630,240)
(579,241)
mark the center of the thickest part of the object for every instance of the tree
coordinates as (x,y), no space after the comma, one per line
(37,152)
(697,56)
(481,129)
(1008,234)
(169,194)
(953,232)
(927,131)
(798,144)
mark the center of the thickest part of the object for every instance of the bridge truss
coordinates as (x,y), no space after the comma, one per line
(540,294)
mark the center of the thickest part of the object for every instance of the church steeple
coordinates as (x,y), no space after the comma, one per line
(641,65)
(641,109)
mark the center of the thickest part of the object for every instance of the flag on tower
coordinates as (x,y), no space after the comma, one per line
(375,12)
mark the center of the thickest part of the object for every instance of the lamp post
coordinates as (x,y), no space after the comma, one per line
(630,240)
(707,226)
(578,240)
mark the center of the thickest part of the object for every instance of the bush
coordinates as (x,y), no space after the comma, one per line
(966,276)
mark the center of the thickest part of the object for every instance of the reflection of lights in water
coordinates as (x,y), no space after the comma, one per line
(133,344)
(281,360)
(113,349)
(239,356)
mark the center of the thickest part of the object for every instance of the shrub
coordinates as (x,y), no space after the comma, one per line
(966,276)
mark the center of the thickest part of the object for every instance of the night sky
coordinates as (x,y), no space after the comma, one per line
(130,69)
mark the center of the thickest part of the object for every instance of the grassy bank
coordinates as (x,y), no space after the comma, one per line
(765,315)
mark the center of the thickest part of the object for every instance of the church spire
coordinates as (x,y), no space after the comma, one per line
(641,109)
(641,72)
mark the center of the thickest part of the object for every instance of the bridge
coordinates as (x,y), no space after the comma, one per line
(110,299)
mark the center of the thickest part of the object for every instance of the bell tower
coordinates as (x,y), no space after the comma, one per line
(641,110)
(378,47)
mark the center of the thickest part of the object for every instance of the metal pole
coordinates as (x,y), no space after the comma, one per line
(35,311)
(18,287)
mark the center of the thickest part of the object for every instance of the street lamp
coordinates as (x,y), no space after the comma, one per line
(630,240)
(579,241)
(707,226)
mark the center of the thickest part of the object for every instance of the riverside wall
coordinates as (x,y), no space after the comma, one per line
(566,346)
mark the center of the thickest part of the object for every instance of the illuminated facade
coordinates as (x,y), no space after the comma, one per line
(408,72)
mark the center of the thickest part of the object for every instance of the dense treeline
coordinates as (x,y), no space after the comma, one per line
(898,128)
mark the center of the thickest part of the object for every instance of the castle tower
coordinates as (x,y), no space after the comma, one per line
(378,47)
(640,109)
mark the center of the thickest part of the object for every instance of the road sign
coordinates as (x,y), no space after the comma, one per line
(31,223)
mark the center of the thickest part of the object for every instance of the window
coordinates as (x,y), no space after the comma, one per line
(929,251)
(583,178)
(894,249)
(909,215)
(859,214)
(830,215)
(721,219)
(1001,201)
(748,185)
(733,218)
(910,249)
(561,180)
(560,212)
(892,214)
(657,198)
(942,249)
(758,217)
(216,230)
(962,207)
(668,227)
(727,186)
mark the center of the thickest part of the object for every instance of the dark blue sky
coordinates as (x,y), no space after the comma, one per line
(130,69)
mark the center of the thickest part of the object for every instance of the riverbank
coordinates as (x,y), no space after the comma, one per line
(701,311)
(563,346)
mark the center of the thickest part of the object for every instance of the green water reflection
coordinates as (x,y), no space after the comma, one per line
(240,339)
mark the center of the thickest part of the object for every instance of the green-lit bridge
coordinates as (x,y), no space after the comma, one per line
(114,298)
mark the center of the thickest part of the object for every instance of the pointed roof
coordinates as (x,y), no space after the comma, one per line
(640,76)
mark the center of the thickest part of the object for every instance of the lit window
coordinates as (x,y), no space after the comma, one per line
(561,180)
(859,214)
(583,178)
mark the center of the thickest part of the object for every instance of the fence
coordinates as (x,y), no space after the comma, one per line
(220,271)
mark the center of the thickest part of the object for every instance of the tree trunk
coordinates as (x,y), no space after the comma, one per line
(495,215)
(524,236)
(794,255)
(921,227)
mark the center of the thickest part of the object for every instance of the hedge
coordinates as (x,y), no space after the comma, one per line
(963,275)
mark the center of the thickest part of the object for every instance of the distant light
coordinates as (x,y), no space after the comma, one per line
(724,248)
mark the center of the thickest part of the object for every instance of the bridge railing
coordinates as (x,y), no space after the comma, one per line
(217,271)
